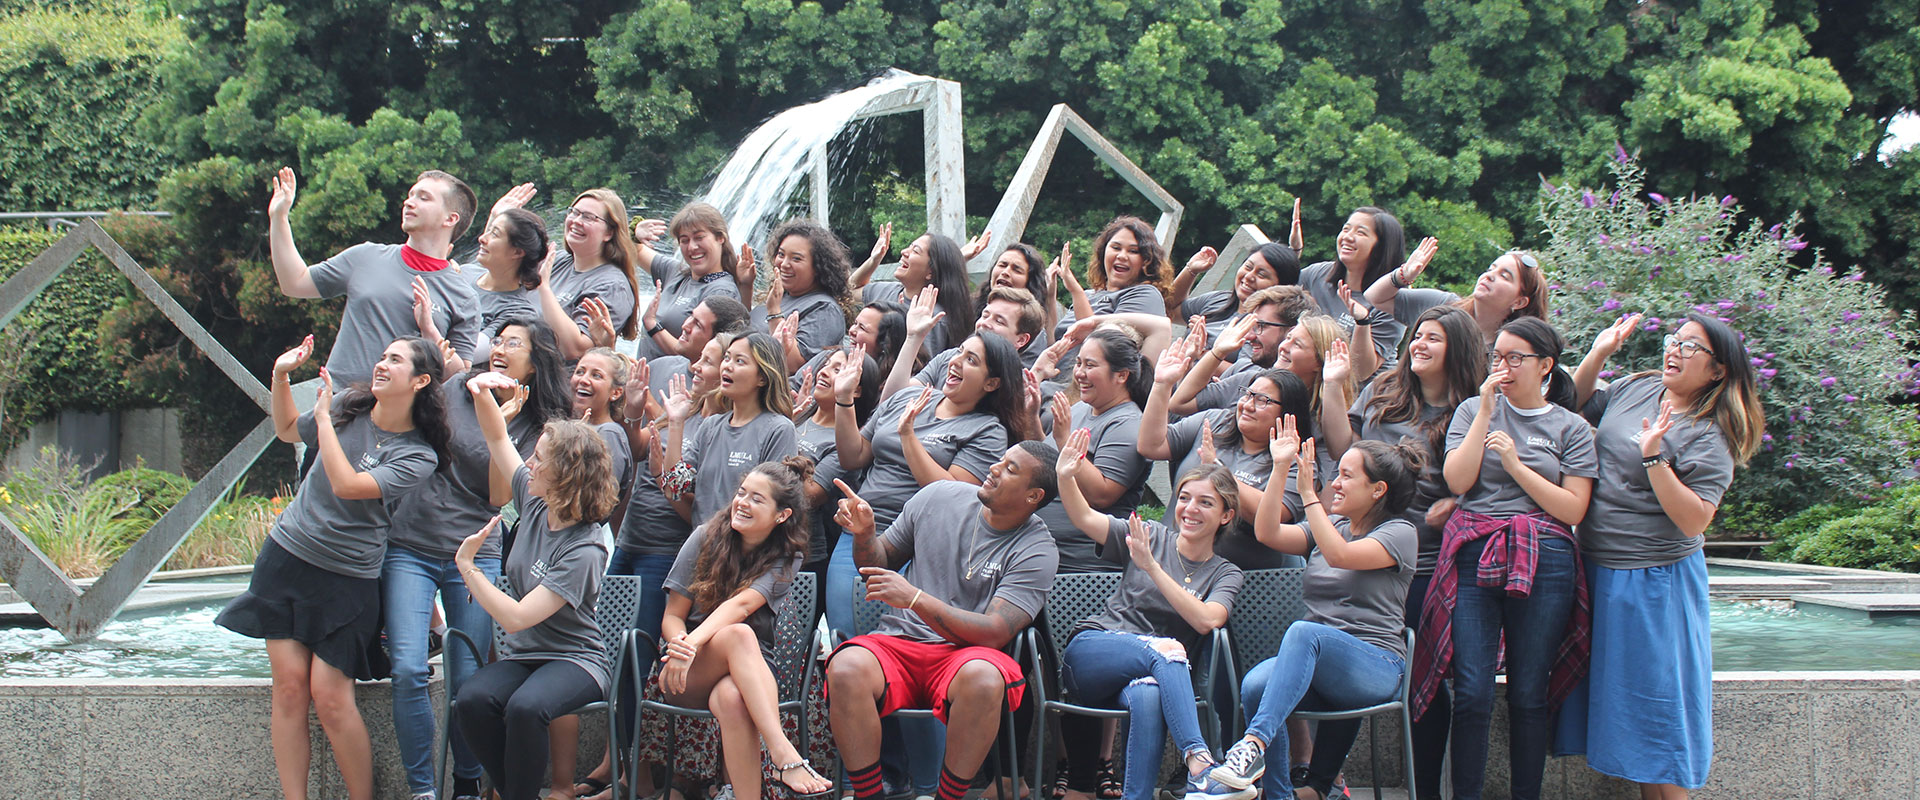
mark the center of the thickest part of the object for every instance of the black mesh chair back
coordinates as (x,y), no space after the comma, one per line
(1268,603)
(1075,597)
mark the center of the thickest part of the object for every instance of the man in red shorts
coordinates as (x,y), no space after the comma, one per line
(979,566)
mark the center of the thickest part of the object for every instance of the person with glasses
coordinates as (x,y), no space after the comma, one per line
(1513,286)
(1509,568)
(593,273)
(389,288)
(1669,441)
(1412,404)
(707,267)
(429,524)
(1371,243)
(1235,437)
(1248,346)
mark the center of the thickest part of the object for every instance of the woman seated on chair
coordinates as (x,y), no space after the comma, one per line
(724,590)
(1174,591)
(1349,649)
(554,657)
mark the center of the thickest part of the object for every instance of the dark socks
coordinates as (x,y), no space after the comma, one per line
(466,787)
(866,782)
(952,787)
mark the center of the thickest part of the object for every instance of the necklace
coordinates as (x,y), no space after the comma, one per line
(973,557)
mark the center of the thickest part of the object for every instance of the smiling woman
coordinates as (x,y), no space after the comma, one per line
(708,266)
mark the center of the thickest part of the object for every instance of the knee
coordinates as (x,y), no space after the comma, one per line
(291,690)
(734,636)
(332,703)
(977,682)
(1170,650)
(523,711)
(853,671)
(1255,683)
(1142,699)
(726,702)
(410,675)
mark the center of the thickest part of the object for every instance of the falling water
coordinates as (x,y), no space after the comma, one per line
(755,188)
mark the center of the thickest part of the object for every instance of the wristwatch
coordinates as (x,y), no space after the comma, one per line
(656,328)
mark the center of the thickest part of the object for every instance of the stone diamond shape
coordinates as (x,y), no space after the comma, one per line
(79,615)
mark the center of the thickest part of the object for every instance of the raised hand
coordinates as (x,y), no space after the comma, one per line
(1284,443)
(450,361)
(633,401)
(1080,329)
(1203,260)
(881,246)
(1417,263)
(852,513)
(1048,364)
(1207,454)
(680,402)
(515,197)
(1195,342)
(470,546)
(423,311)
(1061,269)
(1171,367)
(847,382)
(1030,394)
(285,186)
(1355,308)
(651,316)
(1338,365)
(776,289)
(1073,452)
(805,391)
(1139,542)
(788,334)
(1227,345)
(511,408)
(1062,418)
(976,245)
(1651,432)
(1611,338)
(919,404)
(744,270)
(1295,238)
(1304,484)
(546,264)
(295,357)
(323,399)
(1495,376)
(925,313)
(491,381)
(648,231)
(599,321)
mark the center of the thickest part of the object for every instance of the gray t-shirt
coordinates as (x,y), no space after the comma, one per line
(680,292)
(955,556)
(651,526)
(822,323)
(1140,298)
(1625,528)
(1138,605)
(661,370)
(1115,451)
(774,585)
(1220,308)
(349,537)
(817,442)
(1253,469)
(1409,304)
(569,562)
(1386,334)
(1433,481)
(971,441)
(1553,442)
(722,453)
(379,289)
(895,292)
(607,282)
(454,503)
(619,448)
(495,309)
(1370,604)
(1226,390)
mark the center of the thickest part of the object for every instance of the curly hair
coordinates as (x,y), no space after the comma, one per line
(1158,271)
(579,468)
(831,261)
(725,565)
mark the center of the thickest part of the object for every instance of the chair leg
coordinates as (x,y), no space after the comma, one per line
(1406,745)
(1373,754)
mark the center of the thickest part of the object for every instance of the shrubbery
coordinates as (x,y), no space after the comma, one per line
(1828,352)
(1882,535)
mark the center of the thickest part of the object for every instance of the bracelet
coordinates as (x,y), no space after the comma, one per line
(1397,282)
(656,328)
(916,599)
(1309,505)
(1648,462)
(844,405)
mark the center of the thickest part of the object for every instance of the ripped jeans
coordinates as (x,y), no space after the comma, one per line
(1107,668)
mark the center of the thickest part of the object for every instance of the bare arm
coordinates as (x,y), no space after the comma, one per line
(1225,347)
(925,469)
(863,274)
(503,457)
(348,483)
(1335,427)
(994,629)
(1184,280)
(1587,375)
(288,267)
(1462,465)
(1359,554)
(286,415)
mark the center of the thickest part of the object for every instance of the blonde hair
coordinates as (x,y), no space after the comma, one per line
(622,370)
(1324,331)
(620,250)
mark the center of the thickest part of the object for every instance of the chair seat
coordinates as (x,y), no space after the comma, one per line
(1350,713)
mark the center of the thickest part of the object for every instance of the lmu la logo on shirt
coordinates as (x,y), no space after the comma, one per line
(538,571)
(737,458)
(1544,443)
(940,439)
(368,460)
(988,570)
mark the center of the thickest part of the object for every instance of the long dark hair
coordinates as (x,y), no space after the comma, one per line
(527,233)
(547,395)
(1005,401)
(1284,262)
(1121,348)
(948,273)
(1398,465)
(1399,396)
(1294,399)
(1733,402)
(1546,341)
(890,336)
(725,565)
(829,255)
(429,405)
(863,403)
(1036,275)
(1389,249)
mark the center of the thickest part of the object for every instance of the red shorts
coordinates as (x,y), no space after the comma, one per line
(918,673)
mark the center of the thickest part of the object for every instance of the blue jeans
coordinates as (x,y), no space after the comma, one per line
(1429,732)
(1533,627)
(652,569)
(1100,667)
(408,584)
(1318,667)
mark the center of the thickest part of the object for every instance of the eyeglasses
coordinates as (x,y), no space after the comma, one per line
(506,343)
(1262,324)
(586,216)
(1687,347)
(1259,400)
(1513,360)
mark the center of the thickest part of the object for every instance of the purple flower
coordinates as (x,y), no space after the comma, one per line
(1828,381)
(1769,372)
(1795,245)
(1848,316)
(1596,284)
(1657,198)
(1645,250)
(1604,239)
(1726,304)
(1652,324)
(1610,305)
(1702,238)
(1766,437)
(1849,398)
(1732,258)
(1768,356)
(1726,201)
(1619,153)
(1606,374)
(1587,199)
(1826,270)
(1857,276)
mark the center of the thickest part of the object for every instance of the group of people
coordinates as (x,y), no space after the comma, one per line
(1440,472)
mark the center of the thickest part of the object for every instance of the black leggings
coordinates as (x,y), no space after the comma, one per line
(503,711)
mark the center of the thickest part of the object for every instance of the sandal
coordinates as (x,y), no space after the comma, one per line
(589,786)
(1058,791)
(783,769)
(1109,783)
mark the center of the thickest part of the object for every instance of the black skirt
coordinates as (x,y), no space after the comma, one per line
(335,616)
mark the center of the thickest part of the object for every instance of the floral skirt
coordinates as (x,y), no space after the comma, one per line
(695,752)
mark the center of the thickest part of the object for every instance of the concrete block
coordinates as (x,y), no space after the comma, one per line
(41,750)
(1864,745)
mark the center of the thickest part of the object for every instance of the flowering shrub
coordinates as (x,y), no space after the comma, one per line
(1827,352)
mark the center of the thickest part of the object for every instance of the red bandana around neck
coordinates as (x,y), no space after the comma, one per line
(421,262)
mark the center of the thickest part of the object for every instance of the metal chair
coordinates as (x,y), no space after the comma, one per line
(614,612)
(1076,597)
(795,639)
(1268,603)
(866,617)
